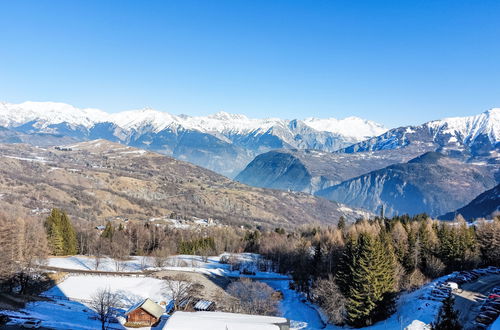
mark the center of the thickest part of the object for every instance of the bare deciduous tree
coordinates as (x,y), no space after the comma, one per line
(160,257)
(103,302)
(179,288)
(330,299)
(254,297)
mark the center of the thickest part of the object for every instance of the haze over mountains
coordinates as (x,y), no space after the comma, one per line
(431,183)
(222,142)
(483,206)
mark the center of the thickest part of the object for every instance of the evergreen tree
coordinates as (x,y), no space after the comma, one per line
(108,231)
(344,273)
(341,223)
(69,235)
(61,234)
(448,316)
(54,233)
(370,288)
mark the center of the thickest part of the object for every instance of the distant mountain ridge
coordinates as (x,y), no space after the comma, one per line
(473,136)
(222,142)
(483,206)
(313,170)
(474,139)
(432,183)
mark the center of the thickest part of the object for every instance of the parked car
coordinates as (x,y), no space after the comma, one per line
(493,270)
(483,318)
(479,325)
(32,324)
(495,290)
(493,315)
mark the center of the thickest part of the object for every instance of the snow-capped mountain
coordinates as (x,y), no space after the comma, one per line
(354,127)
(473,136)
(222,142)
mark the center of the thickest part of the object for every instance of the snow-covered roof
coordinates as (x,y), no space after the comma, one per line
(149,306)
(220,320)
(203,305)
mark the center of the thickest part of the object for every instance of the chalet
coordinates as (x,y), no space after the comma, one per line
(144,313)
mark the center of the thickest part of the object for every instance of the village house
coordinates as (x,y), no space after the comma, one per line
(144,313)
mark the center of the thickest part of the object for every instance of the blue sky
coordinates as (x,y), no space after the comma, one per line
(396,62)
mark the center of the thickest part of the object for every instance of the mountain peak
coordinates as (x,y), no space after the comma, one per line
(431,157)
(353,127)
(222,115)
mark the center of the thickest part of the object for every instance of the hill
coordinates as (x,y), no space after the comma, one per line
(483,206)
(103,180)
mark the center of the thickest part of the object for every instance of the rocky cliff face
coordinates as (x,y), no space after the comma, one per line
(313,170)
(431,183)
(483,206)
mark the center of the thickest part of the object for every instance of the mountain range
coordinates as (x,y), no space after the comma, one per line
(436,167)
(374,173)
(431,183)
(222,142)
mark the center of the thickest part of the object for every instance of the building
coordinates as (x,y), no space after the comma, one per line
(220,320)
(144,313)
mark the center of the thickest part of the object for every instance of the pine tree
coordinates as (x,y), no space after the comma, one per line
(448,316)
(69,235)
(54,232)
(341,223)
(60,234)
(344,273)
(368,280)
(108,231)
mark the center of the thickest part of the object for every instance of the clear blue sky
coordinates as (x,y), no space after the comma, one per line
(396,62)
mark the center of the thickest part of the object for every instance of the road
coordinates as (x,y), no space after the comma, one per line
(468,301)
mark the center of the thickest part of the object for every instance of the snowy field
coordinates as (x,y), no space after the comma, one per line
(75,314)
(188,263)
(129,289)
(134,264)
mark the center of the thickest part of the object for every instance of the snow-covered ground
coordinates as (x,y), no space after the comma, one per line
(57,315)
(75,313)
(189,263)
(129,289)
(414,310)
(134,264)
(302,315)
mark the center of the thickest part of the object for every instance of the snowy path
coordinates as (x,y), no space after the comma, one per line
(301,315)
